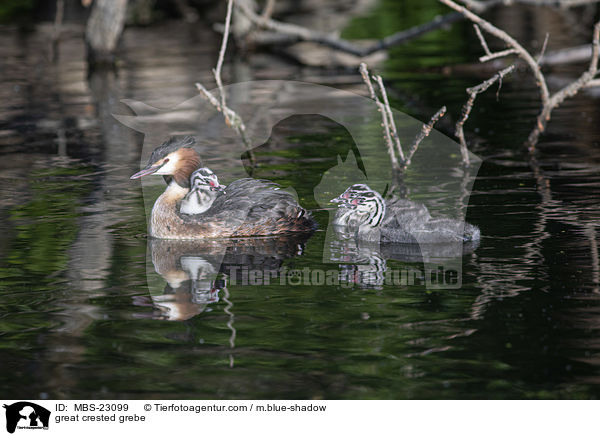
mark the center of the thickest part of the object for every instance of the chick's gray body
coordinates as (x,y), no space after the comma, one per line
(404,221)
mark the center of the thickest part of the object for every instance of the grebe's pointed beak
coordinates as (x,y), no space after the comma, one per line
(149,169)
(345,201)
(220,188)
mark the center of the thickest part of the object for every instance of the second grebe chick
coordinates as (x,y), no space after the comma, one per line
(204,190)
(362,212)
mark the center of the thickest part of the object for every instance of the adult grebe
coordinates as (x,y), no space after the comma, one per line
(364,214)
(249,207)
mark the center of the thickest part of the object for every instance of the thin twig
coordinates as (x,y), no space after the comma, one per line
(232,119)
(474,5)
(593,83)
(295,33)
(544,45)
(425,131)
(510,41)
(482,40)
(298,33)
(468,106)
(390,115)
(364,71)
(389,126)
(217,70)
(568,91)
(498,54)
(549,102)
(235,121)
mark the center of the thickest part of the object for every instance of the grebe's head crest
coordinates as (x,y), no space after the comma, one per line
(204,178)
(175,158)
(171,145)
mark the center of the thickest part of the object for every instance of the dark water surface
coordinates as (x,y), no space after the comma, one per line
(77,319)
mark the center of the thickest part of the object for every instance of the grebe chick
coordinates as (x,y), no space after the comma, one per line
(249,207)
(362,212)
(204,190)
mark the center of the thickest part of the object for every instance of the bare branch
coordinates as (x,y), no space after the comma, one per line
(390,115)
(384,116)
(364,72)
(549,102)
(208,95)
(544,45)
(217,70)
(232,119)
(297,33)
(486,49)
(468,106)
(568,91)
(475,5)
(511,42)
(413,32)
(488,54)
(593,83)
(498,54)
(286,34)
(425,131)
(389,126)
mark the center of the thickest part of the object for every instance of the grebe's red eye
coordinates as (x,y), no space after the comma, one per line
(212,183)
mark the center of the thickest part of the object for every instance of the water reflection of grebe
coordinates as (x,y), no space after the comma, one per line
(196,272)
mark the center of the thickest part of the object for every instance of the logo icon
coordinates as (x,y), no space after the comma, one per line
(26,415)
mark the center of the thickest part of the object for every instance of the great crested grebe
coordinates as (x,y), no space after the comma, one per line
(249,207)
(363,213)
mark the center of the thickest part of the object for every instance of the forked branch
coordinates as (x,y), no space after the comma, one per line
(515,47)
(400,161)
(424,133)
(549,101)
(389,133)
(585,80)
(468,106)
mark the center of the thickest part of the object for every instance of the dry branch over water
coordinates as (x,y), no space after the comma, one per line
(549,101)
(232,119)
(286,33)
(401,161)
(468,106)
